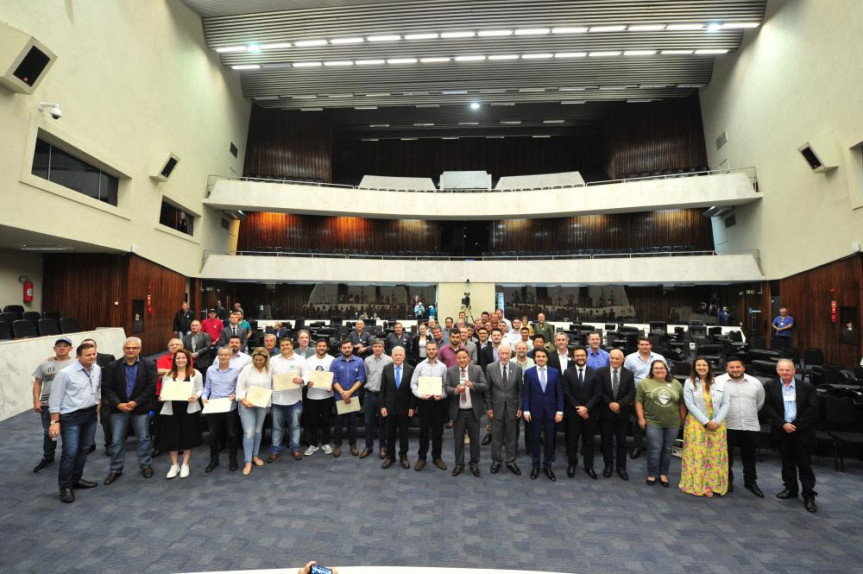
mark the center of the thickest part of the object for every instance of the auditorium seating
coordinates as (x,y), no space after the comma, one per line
(69,325)
(24,329)
(5,331)
(9,316)
(32,316)
(48,327)
(17,310)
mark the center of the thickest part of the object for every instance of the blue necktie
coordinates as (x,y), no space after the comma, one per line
(398,377)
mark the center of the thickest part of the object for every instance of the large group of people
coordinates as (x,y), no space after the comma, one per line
(520,376)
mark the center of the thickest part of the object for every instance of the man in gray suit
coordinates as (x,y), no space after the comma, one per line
(198,344)
(467,382)
(233,329)
(505,384)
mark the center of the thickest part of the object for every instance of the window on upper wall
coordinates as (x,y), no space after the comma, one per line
(176,218)
(63,168)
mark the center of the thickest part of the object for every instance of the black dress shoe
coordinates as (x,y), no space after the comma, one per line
(495,467)
(457,470)
(513,468)
(606,472)
(474,470)
(621,472)
(232,464)
(82,484)
(486,439)
(147,472)
(809,504)
(388,462)
(590,472)
(550,474)
(786,494)
(635,453)
(214,462)
(66,495)
(112,477)
(43,464)
(570,471)
(91,449)
(406,464)
(753,488)
(534,472)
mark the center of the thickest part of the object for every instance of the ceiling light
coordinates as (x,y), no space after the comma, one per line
(540,136)
(690,85)
(709,52)
(402,61)
(310,43)
(379,125)
(304,97)
(307,64)
(365,107)
(409,139)
(613,87)
(676,52)
(503,104)
(493,33)
(428,105)
(494,137)
(639,53)
(339,63)
(311,109)
(638,100)
(536,56)
(370,139)
(553,121)
(253,48)
(340,41)
(434,60)
(532,31)
(603,54)
(680,27)
(277,46)
(569,30)
(369,62)
(474,105)
(384,38)
(714,26)
(423,93)
(450,35)
(504,57)
(572,89)
(423,36)
(265,98)
(511,122)
(46,248)
(423,125)
(652,86)
(229,49)
(468,123)
(453,92)
(739,25)
(378,95)
(450,138)
(615,28)
(573,102)
(530,90)
(247,67)
(646,27)
(570,55)
(469,58)
(340,96)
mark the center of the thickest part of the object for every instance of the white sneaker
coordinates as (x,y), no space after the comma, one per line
(311,450)
(328,449)
(184,471)
(173,472)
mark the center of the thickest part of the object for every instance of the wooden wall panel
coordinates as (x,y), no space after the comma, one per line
(168,290)
(807,296)
(291,145)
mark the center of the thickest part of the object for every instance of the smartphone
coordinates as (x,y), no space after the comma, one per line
(320,570)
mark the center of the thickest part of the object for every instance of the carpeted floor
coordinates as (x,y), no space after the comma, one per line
(351,512)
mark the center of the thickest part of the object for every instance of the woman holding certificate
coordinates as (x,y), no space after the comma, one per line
(181,388)
(254,393)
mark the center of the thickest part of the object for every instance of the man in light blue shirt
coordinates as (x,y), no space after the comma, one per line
(73,404)
(597,357)
(221,383)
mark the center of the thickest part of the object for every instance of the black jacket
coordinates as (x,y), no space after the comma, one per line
(114,385)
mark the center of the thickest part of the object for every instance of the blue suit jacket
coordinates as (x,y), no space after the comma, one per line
(542,405)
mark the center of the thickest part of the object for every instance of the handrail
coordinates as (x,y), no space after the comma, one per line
(749,171)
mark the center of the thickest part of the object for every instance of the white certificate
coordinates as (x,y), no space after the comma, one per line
(259,396)
(322,379)
(430,386)
(177,390)
(343,408)
(215,406)
(285,382)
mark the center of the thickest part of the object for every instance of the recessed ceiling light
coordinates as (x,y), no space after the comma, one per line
(370,139)
(428,105)
(421,93)
(310,43)
(276,46)
(511,122)
(409,139)
(738,25)
(569,30)
(253,48)
(339,63)
(710,52)
(646,27)
(532,31)
(572,89)
(340,41)
(570,55)
(434,60)
(230,49)
(652,86)
(639,53)
(531,90)
(468,123)
(384,38)
(46,248)
(469,58)
(378,95)
(540,136)
(498,57)
(379,125)
(422,36)
(340,96)
(402,61)
(453,92)
(247,67)
(369,62)
(503,104)
(615,28)
(603,54)
(681,27)
(423,124)
(265,98)
(474,105)
(676,52)
(638,100)
(307,64)
(449,35)
(553,121)
(304,97)
(714,26)
(311,109)
(690,85)
(613,87)
(494,33)
(536,56)
(365,107)
(494,137)
(450,138)
(573,102)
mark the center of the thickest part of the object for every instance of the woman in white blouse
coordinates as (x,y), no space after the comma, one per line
(179,423)
(256,374)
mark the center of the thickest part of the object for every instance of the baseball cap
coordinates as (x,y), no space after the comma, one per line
(66,340)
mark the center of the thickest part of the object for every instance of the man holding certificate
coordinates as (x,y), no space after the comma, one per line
(319,398)
(219,391)
(467,382)
(349,374)
(288,369)
(427,384)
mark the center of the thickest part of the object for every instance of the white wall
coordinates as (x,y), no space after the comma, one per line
(13,264)
(135,82)
(797,77)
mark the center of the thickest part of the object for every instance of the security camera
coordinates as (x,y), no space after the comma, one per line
(54,110)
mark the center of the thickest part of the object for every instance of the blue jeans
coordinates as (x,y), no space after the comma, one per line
(49,447)
(289,414)
(659,443)
(253,430)
(120,422)
(374,421)
(78,431)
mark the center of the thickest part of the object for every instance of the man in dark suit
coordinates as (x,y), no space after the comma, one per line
(398,406)
(488,354)
(581,396)
(792,409)
(542,406)
(466,382)
(559,357)
(617,397)
(233,329)
(129,386)
(198,344)
(505,386)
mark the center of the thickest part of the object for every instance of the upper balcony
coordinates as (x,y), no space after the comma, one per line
(697,190)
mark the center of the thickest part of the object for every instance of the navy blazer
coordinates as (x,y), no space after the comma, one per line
(585,394)
(541,405)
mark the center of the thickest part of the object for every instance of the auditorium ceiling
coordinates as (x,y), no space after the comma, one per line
(381,65)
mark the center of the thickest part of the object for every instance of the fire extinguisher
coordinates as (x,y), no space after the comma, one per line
(28,288)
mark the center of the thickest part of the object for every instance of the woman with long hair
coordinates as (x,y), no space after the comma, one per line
(180,424)
(660,409)
(258,373)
